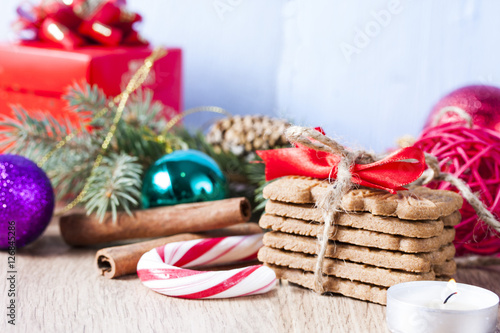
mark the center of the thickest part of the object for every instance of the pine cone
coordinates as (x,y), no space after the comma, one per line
(244,135)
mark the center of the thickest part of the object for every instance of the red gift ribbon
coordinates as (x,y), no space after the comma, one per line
(390,173)
(70,26)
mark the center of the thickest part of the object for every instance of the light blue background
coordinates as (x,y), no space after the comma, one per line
(286,58)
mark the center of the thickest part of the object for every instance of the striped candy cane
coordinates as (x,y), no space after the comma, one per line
(162,269)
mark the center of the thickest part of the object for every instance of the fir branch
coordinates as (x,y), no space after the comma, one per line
(34,136)
(70,166)
(138,130)
(260,201)
(255,173)
(115,184)
(230,164)
(142,111)
(85,98)
(28,131)
(139,142)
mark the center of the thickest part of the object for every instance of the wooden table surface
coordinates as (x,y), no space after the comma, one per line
(60,290)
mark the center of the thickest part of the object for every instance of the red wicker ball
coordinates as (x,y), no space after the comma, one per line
(473,155)
(481,102)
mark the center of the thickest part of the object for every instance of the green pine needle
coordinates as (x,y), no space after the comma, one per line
(35,135)
(142,111)
(26,131)
(85,98)
(115,184)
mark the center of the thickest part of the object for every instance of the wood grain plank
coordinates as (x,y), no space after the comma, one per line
(59,290)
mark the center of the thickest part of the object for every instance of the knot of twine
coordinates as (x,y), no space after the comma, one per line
(434,173)
(330,204)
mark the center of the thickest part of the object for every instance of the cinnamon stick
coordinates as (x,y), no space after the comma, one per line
(113,262)
(80,229)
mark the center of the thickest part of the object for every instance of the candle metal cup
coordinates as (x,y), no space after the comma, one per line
(414,307)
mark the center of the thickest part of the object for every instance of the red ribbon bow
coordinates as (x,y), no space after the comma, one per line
(390,173)
(71,24)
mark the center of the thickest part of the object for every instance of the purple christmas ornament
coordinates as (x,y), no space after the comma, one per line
(26,200)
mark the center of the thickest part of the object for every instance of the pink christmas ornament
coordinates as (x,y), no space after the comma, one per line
(473,155)
(481,102)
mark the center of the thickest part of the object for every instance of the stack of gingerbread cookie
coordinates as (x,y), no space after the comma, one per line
(380,240)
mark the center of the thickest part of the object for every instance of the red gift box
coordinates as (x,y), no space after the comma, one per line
(35,76)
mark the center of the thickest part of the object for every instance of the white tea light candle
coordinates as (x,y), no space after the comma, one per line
(437,306)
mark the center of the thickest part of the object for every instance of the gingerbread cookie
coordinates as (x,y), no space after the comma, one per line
(418,203)
(412,262)
(448,268)
(389,225)
(359,290)
(358,236)
(340,268)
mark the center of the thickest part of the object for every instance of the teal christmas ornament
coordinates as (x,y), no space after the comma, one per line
(181,177)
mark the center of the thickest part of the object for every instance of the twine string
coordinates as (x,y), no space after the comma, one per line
(331,203)
(434,173)
(302,135)
(453,109)
(330,206)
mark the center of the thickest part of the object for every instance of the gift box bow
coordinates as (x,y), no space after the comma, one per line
(390,173)
(75,23)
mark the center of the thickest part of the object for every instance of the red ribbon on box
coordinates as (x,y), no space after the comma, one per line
(390,173)
(71,24)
